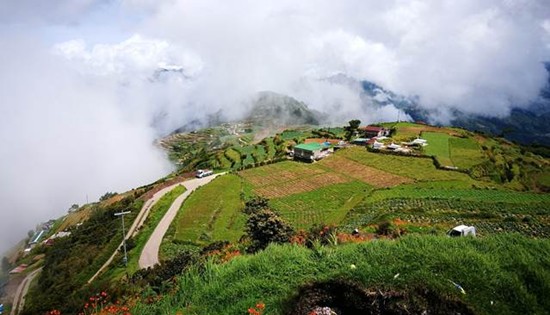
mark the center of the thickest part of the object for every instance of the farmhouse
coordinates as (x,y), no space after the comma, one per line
(374,131)
(310,151)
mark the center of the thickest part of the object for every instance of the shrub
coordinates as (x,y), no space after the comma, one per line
(255,205)
(266,227)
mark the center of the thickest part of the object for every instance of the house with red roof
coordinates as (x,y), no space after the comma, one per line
(373,131)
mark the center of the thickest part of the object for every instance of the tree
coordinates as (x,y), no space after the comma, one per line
(107,196)
(352,128)
(255,204)
(266,227)
(73,208)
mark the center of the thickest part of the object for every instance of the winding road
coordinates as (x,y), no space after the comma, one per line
(149,256)
(19,299)
(138,222)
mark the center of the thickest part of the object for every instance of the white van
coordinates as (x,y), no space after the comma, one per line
(203,173)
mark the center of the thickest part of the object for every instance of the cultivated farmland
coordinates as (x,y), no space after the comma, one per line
(420,169)
(441,214)
(364,173)
(212,213)
(305,194)
(279,173)
(328,205)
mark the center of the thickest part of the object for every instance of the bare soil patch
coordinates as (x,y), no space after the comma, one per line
(342,298)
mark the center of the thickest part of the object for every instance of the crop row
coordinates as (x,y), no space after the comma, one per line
(485,195)
(528,218)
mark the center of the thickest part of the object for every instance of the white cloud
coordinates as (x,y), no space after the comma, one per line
(136,55)
(64,136)
(480,57)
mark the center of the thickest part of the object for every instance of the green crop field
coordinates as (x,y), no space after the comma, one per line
(438,145)
(327,205)
(465,152)
(212,213)
(421,169)
(532,219)
(414,191)
(269,148)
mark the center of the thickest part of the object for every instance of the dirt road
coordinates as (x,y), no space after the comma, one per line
(138,222)
(149,256)
(19,300)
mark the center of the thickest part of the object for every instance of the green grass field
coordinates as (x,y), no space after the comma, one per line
(212,213)
(465,152)
(414,191)
(438,146)
(506,274)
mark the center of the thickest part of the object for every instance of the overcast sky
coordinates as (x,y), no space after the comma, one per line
(81,100)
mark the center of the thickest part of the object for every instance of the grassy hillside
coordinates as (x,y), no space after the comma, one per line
(211,213)
(505,274)
(499,188)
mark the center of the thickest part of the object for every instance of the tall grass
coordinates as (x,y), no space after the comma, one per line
(505,274)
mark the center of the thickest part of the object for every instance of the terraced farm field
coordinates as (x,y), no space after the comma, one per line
(406,131)
(301,185)
(364,173)
(328,205)
(502,196)
(305,194)
(289,178)
(279,173)
(419,169)
(212,213)
(532,219)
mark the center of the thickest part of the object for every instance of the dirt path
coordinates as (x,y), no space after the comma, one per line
(149,256)
(138,222)
(19,300)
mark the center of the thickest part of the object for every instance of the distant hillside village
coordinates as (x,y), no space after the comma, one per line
(376,138)
(40,237)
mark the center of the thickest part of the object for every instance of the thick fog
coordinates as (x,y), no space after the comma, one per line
(87,86)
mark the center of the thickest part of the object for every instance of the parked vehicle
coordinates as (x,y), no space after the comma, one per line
(203,173)
(462,230)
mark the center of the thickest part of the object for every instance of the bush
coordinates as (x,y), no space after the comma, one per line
(255,205)
(266,227)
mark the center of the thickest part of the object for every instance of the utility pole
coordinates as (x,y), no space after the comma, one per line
(121,215)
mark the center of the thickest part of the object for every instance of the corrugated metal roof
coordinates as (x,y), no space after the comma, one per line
(309,146)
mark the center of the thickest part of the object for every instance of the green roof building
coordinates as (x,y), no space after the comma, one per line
(309,151)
